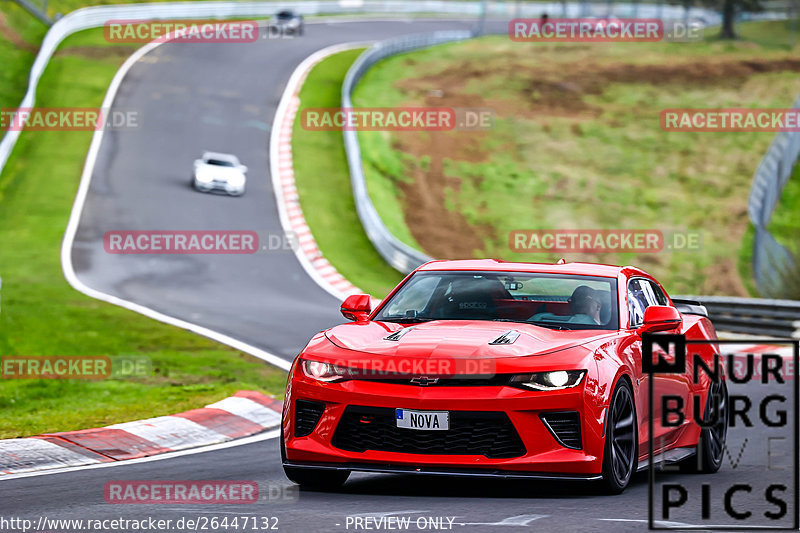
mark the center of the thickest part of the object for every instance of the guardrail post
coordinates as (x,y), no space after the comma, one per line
(35,11)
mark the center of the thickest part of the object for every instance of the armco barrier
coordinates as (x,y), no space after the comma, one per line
(398,254)
(97,16)
(754,316)
(730,313)
(741,315)
(771,260)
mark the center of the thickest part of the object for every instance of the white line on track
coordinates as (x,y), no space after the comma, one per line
(83,189)
(293,85)
(662,523)
(74,220)
(516,521)
(169,455)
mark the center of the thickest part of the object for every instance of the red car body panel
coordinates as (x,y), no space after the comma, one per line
(606,355)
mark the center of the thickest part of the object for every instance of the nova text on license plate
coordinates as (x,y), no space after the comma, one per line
(427,420)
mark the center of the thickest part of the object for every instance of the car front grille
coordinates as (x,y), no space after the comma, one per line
(306,416)
(471,433)
(565,427)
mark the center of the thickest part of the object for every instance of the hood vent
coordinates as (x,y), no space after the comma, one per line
(397,335)
(506,338)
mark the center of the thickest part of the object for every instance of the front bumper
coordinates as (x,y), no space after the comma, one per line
(208,186)
(543,454)
(443,471)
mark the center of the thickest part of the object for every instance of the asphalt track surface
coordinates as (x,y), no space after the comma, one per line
(222,97)
(473,505)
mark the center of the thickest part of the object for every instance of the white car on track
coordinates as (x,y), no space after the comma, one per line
(219,172)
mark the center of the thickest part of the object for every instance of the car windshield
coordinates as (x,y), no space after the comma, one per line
(554,301)
(220,163)
(285,15)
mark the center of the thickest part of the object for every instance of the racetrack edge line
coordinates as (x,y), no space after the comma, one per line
(293,87)
(72,227)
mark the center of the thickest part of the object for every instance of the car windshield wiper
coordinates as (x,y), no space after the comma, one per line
(407,320)
(549,325)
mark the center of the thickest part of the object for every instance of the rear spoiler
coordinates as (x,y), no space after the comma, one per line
(690,307)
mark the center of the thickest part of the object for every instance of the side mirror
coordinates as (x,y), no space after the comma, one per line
(356,307)
(660,318)
(243,168)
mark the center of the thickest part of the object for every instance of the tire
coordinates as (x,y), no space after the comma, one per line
(620,449)
(319,479)
(711,444)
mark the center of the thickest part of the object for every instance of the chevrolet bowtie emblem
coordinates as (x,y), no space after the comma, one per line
(424,381)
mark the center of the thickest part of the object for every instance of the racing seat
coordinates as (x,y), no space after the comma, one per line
(471,299)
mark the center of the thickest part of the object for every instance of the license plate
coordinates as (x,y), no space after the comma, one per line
(425,420)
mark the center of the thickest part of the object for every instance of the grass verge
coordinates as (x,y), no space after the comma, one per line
(20,35)
(323,184)
(42,315)
(577,144)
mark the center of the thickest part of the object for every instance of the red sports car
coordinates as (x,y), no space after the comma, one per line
(492,368)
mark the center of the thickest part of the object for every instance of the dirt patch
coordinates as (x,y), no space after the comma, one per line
(97,52)
(443,233)
(9,33)
(723,278)
(550,89)
(558,89)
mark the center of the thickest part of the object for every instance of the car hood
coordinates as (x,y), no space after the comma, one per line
(457,339)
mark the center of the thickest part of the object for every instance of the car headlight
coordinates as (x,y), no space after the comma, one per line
(322,371)
(548,381)
(202,177)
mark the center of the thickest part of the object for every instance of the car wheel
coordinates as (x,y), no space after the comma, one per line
(621,444)
(711,444)
(314,478)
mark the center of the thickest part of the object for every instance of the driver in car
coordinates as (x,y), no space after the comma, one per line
(585,305)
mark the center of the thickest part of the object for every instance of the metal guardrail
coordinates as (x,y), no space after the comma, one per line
(771,259)
(398,254)
(741,315)
(96,16)
(754,316)
(732,314)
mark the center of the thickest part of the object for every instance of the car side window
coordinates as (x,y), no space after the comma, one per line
(658,294)
(643,293)
(637,302)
